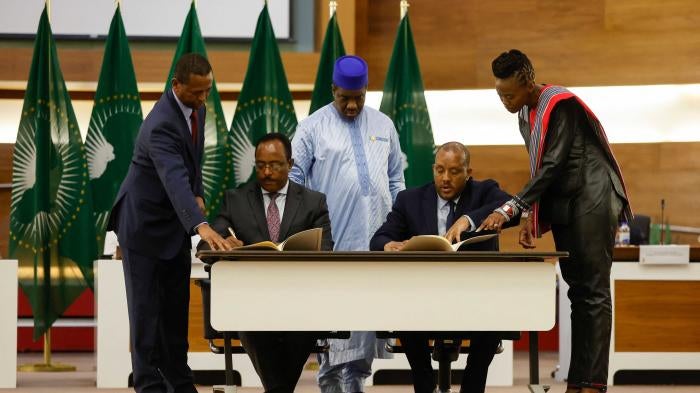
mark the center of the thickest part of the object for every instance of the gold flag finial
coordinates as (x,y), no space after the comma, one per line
(404,8)
(332,6)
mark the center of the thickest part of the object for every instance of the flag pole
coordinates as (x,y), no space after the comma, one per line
(404,8)
(332,5)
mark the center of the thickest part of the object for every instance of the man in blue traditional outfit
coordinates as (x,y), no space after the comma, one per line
(576,190)
(351,154)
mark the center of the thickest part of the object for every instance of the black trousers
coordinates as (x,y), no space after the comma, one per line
(589,239)
(278,357)
(482,348)
(158,296)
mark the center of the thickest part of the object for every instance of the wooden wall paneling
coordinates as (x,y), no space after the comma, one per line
(657,316)
(675,156)
(598,42)
(229,66)
(153,65)
(663,170)
(346,15)
(6,150)
(637,15)
(575,44)
(5,198)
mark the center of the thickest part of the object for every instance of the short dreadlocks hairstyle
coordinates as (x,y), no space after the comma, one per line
(513,63)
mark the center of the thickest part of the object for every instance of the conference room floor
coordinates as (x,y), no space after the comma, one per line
(83,380)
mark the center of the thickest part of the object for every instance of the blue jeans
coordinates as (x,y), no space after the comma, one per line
(343,378)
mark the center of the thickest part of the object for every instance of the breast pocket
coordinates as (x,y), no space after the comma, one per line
(378,149)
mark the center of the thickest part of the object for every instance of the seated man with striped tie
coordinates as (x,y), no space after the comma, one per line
(271,207)
(450,206)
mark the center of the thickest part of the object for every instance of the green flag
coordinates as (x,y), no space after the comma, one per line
(114,124)
(265,104)
(332,49)
(404,102)
(52,232)
(216,165)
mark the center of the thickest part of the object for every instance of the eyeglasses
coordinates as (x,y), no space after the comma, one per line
(274,166)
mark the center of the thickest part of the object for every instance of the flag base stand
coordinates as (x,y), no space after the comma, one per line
(44,367)
(47,366)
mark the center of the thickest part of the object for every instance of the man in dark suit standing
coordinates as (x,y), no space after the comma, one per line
(274,208)
(159,206)
(453,203)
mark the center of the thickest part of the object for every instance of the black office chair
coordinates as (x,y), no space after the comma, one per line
(639,229)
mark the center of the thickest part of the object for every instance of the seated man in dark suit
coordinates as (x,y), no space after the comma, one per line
(453,203)
(274,208)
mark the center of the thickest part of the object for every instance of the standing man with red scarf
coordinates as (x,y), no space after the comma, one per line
(576,190)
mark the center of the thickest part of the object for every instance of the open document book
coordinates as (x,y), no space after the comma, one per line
(308,240)
(439,243)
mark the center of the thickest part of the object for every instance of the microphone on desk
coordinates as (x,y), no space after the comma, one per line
(662,237)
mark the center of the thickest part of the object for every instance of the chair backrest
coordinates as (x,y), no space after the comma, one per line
(639,229)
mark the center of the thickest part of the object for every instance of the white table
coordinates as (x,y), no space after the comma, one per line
(392,292)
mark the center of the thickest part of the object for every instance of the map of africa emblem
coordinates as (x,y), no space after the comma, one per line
(43,209)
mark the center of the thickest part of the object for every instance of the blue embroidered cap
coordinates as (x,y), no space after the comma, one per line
(350,72)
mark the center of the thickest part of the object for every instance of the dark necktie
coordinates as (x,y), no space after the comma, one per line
(273,218)
(450,216)
(195,126)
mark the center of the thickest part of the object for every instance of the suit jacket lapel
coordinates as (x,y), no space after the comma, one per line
(464,199)
(290,209)
(255,198)
(430,209)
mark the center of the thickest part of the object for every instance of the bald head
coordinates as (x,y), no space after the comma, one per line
(456,148)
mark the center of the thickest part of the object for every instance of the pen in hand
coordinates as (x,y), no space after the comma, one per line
(232,233)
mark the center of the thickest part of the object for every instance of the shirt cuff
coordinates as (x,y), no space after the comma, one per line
(472,227)
(199,225)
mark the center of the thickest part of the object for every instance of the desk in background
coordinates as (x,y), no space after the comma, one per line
(656,316)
